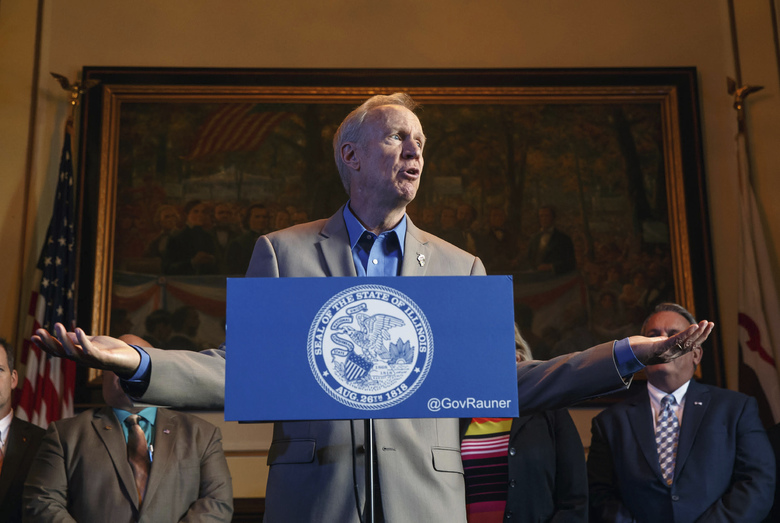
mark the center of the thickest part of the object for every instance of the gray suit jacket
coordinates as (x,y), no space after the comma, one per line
(81,472)
(317,469)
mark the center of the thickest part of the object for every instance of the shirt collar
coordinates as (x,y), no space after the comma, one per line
(149,414)
(5,425)
(657,394)
(355,229)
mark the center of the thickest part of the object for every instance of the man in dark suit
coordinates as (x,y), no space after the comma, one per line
(19,441)
(84,470)
(705,457)
(313,465)
(551,250)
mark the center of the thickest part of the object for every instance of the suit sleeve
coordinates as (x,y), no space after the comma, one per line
(568,379)
(215,499)
(605,502)
(478,268)
(571,483)
(186,379)
(264,263)
(46,488)
(751,493)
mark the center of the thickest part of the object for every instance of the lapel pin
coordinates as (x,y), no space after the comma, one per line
(107,427)
(421,259)
(166,431)
(697,402)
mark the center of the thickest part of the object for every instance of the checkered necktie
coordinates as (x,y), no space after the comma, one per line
(667,432)
(138,454)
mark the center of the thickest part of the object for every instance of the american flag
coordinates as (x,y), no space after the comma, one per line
(49,384)
(235,127)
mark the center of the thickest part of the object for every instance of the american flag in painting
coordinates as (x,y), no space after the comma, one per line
(49,384)
(235,127)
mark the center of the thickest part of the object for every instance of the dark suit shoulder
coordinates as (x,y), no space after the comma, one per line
(638,395)
(27,428)
(720,397)
(718,392)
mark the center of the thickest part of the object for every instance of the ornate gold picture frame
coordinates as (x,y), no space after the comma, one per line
(611,156)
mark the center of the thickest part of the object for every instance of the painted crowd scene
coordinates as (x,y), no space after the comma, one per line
(570,200)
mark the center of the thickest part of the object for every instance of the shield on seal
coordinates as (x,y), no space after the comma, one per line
(356,366)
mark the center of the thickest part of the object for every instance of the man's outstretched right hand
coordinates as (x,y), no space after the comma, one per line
(98,352)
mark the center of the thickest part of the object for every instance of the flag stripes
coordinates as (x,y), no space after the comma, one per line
(235,127)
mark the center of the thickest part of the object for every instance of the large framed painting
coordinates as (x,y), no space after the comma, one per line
(587,186)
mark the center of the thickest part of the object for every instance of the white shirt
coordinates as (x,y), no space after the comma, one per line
(656,395)
(5,426)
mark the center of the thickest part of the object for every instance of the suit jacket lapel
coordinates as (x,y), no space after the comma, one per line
(334,246)
(110,433)
(517,425)
(14,452)
(697,400)
(417,254)
(165,435)
(640,416)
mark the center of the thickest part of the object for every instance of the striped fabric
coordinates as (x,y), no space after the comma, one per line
(484,453)
(235,127)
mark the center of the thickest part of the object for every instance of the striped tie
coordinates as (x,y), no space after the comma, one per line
(667,432)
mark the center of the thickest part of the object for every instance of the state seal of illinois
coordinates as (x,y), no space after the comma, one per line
(370,347)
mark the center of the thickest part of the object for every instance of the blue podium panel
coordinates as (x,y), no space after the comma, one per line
(359,348)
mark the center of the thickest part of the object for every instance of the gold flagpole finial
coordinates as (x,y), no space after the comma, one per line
(76,89)
(740,93)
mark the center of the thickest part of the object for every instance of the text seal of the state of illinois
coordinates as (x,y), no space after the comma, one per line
(370,347)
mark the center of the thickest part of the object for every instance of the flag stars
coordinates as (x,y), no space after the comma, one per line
(60,311)
(58,261)
(62,241)
(45,283)
(47,261)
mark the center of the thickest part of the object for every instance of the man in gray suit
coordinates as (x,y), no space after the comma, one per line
(83,471)
(317,468)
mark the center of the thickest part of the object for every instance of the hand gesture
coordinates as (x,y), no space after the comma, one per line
(98,352)
(653,351)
